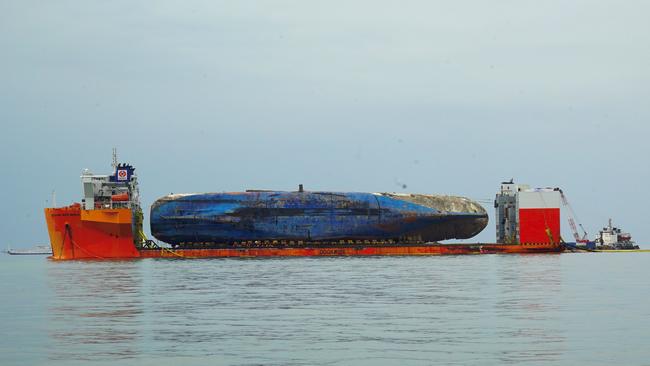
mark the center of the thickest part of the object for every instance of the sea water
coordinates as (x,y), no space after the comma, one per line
(554,309)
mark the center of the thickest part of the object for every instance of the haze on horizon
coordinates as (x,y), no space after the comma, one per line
(443,97)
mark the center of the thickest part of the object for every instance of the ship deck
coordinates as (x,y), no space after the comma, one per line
(320,249)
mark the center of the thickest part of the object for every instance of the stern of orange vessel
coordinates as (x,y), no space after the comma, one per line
(106,224)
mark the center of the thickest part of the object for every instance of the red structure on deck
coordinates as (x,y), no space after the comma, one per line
(528,215)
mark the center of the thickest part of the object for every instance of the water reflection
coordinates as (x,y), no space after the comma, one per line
(528,310)
(95,309)
(305,311)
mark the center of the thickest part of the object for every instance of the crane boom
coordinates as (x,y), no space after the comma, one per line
(572,222)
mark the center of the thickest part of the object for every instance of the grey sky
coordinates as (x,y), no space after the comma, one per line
(445,97)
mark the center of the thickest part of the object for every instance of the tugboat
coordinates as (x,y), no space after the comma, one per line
(612,238)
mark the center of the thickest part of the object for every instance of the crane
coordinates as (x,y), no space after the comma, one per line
(572,222)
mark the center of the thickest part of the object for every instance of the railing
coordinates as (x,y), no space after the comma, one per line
(112,205)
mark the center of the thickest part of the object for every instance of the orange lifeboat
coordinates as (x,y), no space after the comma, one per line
(122,197)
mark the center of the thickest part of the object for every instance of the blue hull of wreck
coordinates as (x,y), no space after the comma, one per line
(309,216)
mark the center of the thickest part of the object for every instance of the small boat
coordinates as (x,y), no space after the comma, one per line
(613,238)
(37,250)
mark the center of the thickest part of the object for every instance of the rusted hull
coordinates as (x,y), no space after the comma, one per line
(392,250)
(211,218)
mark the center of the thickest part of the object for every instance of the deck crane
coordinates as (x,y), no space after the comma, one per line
(572,222)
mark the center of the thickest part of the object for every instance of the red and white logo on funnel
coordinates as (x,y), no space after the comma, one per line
(122,174)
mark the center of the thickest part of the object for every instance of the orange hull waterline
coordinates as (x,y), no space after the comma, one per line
(107,224)
(107,234)
(349,251)
(90,234)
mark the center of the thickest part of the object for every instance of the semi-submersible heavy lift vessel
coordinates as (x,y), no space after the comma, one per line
(107,223)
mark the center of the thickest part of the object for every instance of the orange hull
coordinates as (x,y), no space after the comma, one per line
(107,234)
(90,234)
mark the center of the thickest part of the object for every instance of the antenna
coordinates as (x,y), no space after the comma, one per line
(114,158)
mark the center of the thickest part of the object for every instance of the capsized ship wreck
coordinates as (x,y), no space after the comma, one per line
(268,216)
(107,224)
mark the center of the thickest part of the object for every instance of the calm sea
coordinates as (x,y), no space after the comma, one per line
(568,309)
